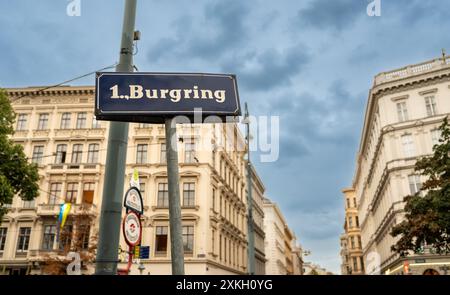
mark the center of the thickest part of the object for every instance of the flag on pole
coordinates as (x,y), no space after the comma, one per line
(63,213)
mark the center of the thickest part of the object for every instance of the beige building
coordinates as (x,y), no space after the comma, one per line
(404,109)
(344,255)
(353,246)
(58,131)
(280,243)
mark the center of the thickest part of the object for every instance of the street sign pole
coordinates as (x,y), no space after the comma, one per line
(109,232)
(176,238)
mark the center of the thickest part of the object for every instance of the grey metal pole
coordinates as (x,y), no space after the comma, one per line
(250,230)
(110,219)
(176,238)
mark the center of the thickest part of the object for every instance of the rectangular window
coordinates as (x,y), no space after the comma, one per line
(28,204)
(88,192)
(213,234)
(49,237)
(163,154)
(188,194)
(408,145)
(83,236)
(24,239)
(77,153)
(65,238)
(354,202)
(357,221)
(161,240)
(141,154)
(72,191)
(189,152)
(352,242)
(3,233)
(163,195)
(188,239)
(93,153)
(81,120)
(213,201)
(361,262)
(359,242)
(43,122)
(348,203)
(65,120)
(435,136)
(355,264)
(414,184)
(430,105)
(95,123)
(55,193)
(61,152)
(21,122)
(402,111)
(350,222)
(38,154)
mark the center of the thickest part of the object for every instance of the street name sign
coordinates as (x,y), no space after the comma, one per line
(152,97)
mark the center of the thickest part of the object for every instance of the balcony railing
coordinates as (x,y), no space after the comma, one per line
(412,70)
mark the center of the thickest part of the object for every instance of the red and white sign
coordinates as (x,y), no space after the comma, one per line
(132,229)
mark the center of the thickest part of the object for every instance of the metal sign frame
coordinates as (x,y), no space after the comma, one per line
(129,206)
(158,116)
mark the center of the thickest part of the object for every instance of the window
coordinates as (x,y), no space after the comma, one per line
(348,203)
(354,202)
(361,262)
(65,120)
(414,184)
(163,195)
(408,145)
(81,120)
(141,154)
(352,242)
(355,264)
(213,201)
(189,194)
(43,122)
(189,152)
(188,239)
(435,136)
(163,154)
(88,192)
(161,240)
(55,193)
(65,239)
(359,242)
(28,204)
(49,237)
(77,153)
(430,105)
(24,239)
(95,123)
(402,111)
(61,152)
(144,125)
(3,232)
(21,122)
(38,153)
(220,247)
(350,222)
(72,191)
(83,236)
(93,153)
(213,234)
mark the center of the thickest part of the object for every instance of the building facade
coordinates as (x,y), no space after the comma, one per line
(404,109)
(280,243)
(344,255)
(58,132)
(353,255)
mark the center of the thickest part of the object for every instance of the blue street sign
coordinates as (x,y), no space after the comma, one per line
(144,252)
(150,97)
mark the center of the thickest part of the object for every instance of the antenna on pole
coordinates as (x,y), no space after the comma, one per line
(444,56)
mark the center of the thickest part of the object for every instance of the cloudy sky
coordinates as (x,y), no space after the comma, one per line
(309,62)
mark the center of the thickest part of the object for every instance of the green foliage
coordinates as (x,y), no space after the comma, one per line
(427,218)
(17,176)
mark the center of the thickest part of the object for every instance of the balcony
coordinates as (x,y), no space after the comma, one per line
(48,209)
(80,133)
(77,209)
(413,70)
(94,167)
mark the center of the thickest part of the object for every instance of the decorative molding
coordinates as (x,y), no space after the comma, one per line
(402,97)
(429,91)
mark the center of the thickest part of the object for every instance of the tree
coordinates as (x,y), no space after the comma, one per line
(427,213)
(17,176)
(75,237)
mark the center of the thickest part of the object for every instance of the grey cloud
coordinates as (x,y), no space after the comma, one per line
(335,15)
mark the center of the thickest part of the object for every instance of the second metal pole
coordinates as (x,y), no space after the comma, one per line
(176,238)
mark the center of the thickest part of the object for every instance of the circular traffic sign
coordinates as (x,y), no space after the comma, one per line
(132,229)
